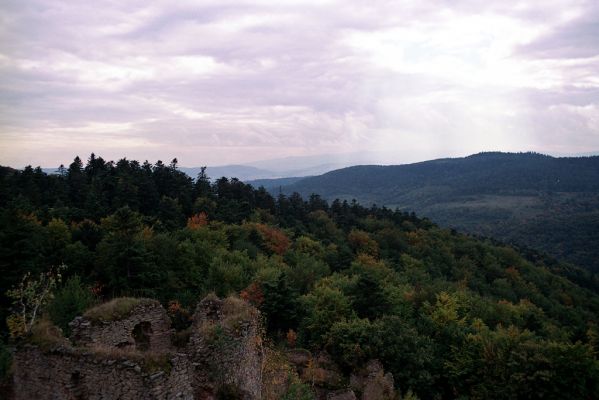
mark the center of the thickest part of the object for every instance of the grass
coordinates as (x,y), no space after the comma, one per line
(46,335)
(115,309)
(149,361)
(237,311)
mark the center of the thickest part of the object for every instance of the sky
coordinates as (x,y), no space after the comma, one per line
(231,82)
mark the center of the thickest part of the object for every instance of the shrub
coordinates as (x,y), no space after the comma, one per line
(70,301)
(299,391)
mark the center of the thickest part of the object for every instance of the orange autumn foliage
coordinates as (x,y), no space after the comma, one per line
(253,294)
(274,239)
(291,338)
(512,273)
(197,221)
(361,242)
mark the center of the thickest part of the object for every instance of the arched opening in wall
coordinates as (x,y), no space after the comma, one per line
(141,334)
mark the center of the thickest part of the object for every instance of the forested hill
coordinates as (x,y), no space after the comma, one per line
(449,315)
(546,203)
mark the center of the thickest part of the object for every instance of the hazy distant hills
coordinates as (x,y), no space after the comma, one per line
(299,166)
(547,203)
(252,173)
(249,173)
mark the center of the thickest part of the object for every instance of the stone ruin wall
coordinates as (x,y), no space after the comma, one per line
(65,374)
(81,372)
(119,333)
(235,355)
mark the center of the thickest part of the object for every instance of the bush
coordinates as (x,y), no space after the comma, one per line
(70,301)
(299,391)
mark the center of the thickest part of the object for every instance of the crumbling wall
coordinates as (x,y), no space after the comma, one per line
(146,327)
(226,348)
(70,374)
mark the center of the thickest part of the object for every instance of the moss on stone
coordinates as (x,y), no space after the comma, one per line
(115,309)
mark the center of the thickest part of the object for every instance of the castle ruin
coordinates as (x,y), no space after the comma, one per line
(132,357)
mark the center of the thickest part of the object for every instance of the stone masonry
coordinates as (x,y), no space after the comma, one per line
(147,327)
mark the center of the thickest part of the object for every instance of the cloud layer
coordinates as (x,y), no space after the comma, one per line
(217,82)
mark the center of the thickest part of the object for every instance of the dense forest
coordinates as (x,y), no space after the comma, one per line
(542,202)
(450,315)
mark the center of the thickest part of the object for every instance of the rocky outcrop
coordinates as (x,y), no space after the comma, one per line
(373,382)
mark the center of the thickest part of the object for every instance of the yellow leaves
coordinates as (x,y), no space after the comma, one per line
(16,326)
(445,310)
(309,246)
(361,242)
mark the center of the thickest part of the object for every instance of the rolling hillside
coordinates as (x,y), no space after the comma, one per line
(546,203)
(446,315)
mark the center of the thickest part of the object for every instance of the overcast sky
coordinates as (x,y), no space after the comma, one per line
(219,82)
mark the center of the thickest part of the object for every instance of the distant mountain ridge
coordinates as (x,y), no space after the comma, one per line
(546,203)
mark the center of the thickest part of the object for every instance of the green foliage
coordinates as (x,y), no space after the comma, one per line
(410,395)
(353,342)
(324,306)
(409,351)
(229,272)
(368,298)
(30,299)
(509,363)
(298,391)
(305,271)
(71,300)
(280,302)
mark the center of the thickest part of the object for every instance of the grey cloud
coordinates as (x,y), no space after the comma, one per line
(576,39)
